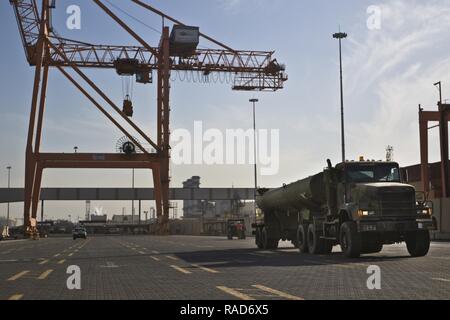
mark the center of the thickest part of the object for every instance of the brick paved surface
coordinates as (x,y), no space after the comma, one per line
(201,268)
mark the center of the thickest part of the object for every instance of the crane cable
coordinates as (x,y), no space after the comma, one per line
(140,21)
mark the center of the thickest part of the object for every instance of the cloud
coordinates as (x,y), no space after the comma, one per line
(390,71)
(229,5)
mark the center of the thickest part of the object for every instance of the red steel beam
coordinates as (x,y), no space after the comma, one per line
(102,110)
(105,97)
(126,27)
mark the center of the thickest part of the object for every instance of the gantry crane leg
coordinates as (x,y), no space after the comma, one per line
(163,127)
(33,173)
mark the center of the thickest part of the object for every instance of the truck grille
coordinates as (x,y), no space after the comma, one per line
(398,204)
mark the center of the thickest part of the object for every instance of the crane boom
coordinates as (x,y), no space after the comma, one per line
(252,70)
(27,17)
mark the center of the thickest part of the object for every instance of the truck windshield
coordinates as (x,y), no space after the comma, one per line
(373,173)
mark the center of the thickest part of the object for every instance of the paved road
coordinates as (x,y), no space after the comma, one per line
(199,268)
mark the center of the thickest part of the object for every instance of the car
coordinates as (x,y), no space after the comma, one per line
(79,233)
(236,228)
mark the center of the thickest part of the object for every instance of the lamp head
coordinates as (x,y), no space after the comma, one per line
(340,35)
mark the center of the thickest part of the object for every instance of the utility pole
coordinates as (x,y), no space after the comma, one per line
(132,201)
(340,36)
(9,186)
(254,101)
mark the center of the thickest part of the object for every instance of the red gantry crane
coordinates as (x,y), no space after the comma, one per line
(177,51)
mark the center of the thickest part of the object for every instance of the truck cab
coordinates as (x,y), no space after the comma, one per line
(373,207)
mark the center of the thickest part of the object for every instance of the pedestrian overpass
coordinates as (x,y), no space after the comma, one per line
(11,195)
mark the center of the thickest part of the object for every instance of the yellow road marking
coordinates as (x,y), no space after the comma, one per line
(235,293)
(45,274)
(19,275)
(205,268)
(441,279)
(277,292)
(155,258)
(180,269)
(16,297)
(43,262)
(61,261)
(172,257)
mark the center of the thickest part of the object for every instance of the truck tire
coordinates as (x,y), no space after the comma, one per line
(267,242)
(258,238)
(315,244)
(350,240)
(418,243)
(302,242)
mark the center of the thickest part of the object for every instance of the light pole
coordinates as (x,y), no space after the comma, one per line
(132,201)
(340,36)
(9,186)
(254,101)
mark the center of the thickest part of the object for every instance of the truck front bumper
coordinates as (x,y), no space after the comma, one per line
(397,225)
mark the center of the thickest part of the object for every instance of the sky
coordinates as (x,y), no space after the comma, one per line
(389,69)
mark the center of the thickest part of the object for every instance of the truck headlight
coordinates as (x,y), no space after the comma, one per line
(426,211)
(365,213)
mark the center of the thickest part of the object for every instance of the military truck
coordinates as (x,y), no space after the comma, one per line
(359,205)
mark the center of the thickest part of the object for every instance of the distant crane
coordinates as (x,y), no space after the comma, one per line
(177,51)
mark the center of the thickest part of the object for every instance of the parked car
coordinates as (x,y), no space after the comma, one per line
(79,233)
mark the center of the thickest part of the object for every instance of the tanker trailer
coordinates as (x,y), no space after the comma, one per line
(360,206)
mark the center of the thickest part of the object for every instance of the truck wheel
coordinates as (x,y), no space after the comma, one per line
(258,238)
(418,243)
(302,242)
(268,243)
(350,240)
(315,244)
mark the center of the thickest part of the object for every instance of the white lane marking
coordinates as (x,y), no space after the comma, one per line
(277,292)
(440,279)
(235,293)
(205,268)
(180,269)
